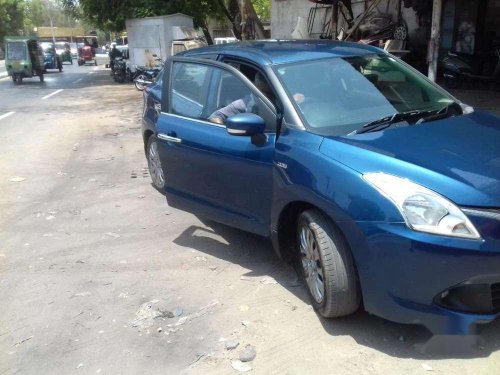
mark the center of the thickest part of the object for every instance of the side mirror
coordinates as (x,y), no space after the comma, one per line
(245,124)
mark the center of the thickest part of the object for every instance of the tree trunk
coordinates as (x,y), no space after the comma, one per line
(208,37)
(234,26)
(259,32)
(251,26)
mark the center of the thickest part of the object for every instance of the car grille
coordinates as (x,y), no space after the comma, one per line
(495,297)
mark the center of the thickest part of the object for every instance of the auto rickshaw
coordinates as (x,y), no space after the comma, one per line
(86,54)
(66,55)
(52,59)
(23,58)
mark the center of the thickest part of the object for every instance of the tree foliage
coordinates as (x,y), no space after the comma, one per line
(110,15)
(12,18)
(20,17)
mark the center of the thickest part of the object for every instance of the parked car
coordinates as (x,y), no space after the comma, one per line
(102,57)
(381,187)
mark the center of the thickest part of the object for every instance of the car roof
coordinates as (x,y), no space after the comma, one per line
(273,52)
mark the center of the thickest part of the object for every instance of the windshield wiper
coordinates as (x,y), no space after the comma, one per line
(439,114)
(422,116)
(387,121)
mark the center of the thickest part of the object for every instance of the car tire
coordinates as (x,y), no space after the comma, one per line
(326,266)
(154,164)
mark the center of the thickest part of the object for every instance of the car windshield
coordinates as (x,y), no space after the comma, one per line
(338,96)
(60,45)
(16,51)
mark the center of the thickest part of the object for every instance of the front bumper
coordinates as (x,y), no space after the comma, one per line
(447,284)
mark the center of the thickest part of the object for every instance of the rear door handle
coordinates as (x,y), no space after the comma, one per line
(169,138)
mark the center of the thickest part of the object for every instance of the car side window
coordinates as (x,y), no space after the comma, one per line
(213,94)
(231,96)
(188,88)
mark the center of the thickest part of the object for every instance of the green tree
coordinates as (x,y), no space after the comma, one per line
(12,18)
(263,9)
(110,15)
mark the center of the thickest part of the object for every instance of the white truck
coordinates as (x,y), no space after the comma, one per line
(163,36)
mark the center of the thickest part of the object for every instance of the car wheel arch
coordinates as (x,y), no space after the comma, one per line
(286,228)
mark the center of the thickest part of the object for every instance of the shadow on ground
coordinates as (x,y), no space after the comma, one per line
(256,254)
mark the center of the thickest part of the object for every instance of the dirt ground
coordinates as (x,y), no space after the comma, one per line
(99,276)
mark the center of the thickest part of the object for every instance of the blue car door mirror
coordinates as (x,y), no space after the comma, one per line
(245,124)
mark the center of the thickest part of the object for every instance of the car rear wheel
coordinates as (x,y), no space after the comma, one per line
(326,266)
(154,163)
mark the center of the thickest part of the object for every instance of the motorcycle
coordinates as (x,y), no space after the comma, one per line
(143,76)
(121,72)
(458,69)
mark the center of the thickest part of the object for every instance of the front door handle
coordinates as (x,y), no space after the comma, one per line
(169,138)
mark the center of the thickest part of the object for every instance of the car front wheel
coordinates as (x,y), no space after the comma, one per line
(326,266)
(154,163)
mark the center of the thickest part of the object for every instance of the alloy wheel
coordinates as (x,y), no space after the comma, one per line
(311,263)
(154,164)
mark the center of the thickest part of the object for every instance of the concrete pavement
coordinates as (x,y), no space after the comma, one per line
(93,263)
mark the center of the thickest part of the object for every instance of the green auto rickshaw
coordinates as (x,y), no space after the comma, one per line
(23,58)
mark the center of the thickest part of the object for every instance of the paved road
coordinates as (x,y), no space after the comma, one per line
(93,261)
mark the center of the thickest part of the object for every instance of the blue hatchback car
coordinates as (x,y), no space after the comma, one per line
(381,187)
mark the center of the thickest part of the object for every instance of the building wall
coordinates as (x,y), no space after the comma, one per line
(285,13)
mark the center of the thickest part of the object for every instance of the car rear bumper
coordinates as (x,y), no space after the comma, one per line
(448,285)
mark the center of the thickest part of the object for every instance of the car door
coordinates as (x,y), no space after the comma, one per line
(207,171)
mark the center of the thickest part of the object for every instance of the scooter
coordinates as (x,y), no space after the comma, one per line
(458,69)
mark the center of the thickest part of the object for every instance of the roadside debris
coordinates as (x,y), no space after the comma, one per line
(17,179)
(22,341)
(75,146)
(427,367)
(177,311)
(240,366)
(82,294)
(248,353)
(231,344)
(265,280)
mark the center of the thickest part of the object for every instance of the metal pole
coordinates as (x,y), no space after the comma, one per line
(52,29)
(433,51)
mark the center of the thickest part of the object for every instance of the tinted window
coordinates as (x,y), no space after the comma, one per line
(214,94)
(188,88)
(337,96)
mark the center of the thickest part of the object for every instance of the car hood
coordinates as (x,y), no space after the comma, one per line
(458,157)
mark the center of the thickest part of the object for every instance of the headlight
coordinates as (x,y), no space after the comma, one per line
(423,209)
